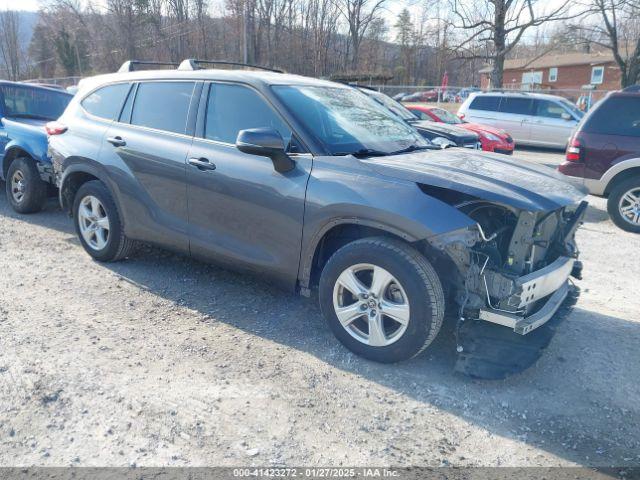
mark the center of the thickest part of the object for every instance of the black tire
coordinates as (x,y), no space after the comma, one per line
(418,279)
(34,195)
(613,203)
(117,246)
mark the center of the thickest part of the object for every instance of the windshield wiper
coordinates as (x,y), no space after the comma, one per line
(412,148)
(29,115)
(364,152)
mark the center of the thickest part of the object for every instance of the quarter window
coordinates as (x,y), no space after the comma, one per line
(232,108)
(597,75)
(163,105)
(615,116)
(106,102)
(482,102)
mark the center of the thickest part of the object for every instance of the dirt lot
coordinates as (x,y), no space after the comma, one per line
(159,360)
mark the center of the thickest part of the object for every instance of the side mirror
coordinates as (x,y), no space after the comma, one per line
(265,142)
(566,116)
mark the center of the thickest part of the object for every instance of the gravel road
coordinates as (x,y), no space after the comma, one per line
(160,360)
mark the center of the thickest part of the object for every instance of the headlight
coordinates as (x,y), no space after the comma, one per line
(443,142)
(492,137)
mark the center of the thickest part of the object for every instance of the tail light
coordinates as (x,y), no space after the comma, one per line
(461,116)
(55,128)
(574,150)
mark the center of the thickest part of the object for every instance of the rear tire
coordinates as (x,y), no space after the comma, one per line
(99,224)
(623,204)
(26,191)
(400,305)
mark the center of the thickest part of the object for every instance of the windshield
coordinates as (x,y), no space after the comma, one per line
(446,117)
(38,103)
(348,122)
(396,107)
(573,109)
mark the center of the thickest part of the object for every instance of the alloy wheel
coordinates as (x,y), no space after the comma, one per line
(94,222)
(371,305)
(629,206)
(18,186)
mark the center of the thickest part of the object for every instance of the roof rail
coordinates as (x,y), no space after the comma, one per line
(129,65)
(194,64)
(632,89)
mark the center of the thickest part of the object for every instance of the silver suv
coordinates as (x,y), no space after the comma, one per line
(314,185)
(530,118)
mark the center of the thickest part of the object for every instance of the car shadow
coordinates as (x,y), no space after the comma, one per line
(565,404)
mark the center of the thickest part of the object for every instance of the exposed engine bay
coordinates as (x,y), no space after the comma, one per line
(513,279)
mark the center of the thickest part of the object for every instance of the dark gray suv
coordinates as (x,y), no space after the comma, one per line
(314,185)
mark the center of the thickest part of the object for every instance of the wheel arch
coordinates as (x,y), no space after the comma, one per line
(11,153)
(74,176)
(622,175)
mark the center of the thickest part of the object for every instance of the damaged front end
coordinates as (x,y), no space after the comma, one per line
(512,280)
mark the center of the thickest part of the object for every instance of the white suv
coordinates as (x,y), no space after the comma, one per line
(530,118)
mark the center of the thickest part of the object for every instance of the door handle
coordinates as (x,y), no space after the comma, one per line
(202,164)
(116,141)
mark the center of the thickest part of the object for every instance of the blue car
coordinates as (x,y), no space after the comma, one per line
(24,112)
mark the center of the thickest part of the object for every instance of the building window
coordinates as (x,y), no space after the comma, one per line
(530,79)
(597,75)
(553,74)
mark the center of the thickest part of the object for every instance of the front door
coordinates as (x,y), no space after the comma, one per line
(515,117)
(549,128)
(241,211)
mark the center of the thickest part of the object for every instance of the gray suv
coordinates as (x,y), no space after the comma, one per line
(315,186)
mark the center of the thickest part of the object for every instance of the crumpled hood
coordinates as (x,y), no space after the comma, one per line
(492,177)
(444,128)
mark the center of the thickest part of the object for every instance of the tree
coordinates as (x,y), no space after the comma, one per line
(10,47)
(617,28)
(359,15)
(405,38)
(501,24)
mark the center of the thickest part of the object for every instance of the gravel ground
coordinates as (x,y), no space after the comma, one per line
(160,360)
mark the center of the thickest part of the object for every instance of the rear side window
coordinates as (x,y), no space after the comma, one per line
(545,108)
(482,102)
(106,101)
(232,108)
(516,105)
(615,116)
(163,105)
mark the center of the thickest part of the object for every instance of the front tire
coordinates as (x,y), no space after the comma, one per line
(98,223)
(382,299)
(623,204)
(26,191)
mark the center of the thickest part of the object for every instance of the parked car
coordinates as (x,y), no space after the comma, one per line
(531,118)
(26,168)
(441,134)
(492,139)
(426,96)
(604,153)
(400,96)
(314,185)
(464,93)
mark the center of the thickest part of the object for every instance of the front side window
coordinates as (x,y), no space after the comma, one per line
(516,105)
(597,75)
(232,108)
(346,121)
(486,103)
(163,106)
(27,102)
(106,101)
(545,108)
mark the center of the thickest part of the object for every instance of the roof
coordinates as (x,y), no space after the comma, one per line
(552,59)
(246,76)
(516,93)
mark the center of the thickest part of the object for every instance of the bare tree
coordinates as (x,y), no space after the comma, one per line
(10,46)
(616,26)
(501,24)
(359,14)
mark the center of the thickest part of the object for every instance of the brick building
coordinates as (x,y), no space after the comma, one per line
(553,71)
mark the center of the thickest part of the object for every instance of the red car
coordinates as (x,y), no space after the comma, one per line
(492,139)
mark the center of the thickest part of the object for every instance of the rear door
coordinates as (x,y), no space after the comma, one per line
(241,211)
(147,150)
(548,127)
(515,116)
(483,109)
